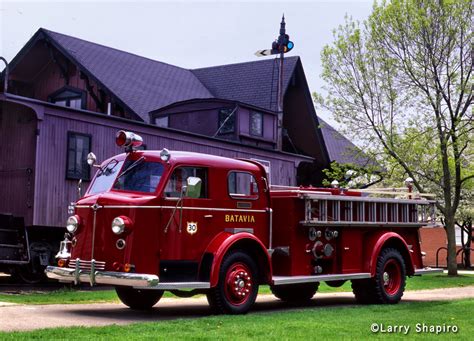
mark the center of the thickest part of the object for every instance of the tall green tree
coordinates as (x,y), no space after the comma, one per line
(401,84)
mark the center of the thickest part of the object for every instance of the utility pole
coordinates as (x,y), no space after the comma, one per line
(280,46)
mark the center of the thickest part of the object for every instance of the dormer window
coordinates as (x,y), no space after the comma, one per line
(256,123)
(226,121)
(69,97)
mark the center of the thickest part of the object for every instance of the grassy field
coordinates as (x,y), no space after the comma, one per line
(71,296)
(353,322)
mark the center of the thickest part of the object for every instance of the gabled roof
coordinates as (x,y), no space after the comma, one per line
(144,85)
(141,83)
(254,82)
(340,149)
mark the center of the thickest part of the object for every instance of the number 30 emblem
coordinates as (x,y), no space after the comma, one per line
(192,227)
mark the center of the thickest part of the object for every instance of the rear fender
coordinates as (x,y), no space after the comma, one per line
(388,239)
(225,242)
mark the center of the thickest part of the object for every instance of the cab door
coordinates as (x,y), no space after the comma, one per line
(186,215)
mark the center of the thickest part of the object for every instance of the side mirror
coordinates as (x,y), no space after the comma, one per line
(193,187)
(92,159)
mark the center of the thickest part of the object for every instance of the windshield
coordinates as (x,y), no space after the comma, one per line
(140,176)
(105,177)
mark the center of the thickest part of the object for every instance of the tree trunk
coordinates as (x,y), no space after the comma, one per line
(451,234)
(467,247)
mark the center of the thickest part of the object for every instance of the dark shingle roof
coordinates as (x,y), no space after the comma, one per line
(254,82)
(340,149)
(145,85)
(141,83)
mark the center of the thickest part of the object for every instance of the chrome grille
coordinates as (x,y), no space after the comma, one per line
(86,264)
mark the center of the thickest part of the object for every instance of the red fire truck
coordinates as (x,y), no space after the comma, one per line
(192,223)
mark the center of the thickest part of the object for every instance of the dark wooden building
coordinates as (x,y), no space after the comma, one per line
(66,97)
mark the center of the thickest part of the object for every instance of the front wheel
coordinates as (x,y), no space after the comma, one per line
(237,288)
(138,299)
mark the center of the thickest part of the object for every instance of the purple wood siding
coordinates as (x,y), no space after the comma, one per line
(53,192)
(17,152)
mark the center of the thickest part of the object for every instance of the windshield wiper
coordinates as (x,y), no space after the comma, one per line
(106,170)
(133,165)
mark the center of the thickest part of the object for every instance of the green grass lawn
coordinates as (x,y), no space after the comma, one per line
(71,296)
(344,322)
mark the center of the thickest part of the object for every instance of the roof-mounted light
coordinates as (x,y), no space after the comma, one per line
(165,155)
(128,140)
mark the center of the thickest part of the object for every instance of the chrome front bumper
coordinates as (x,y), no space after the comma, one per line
(101,277)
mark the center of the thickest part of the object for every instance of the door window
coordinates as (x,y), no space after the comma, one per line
(242,185)
(179,177)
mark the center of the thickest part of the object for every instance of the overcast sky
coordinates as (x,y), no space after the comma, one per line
(189,34)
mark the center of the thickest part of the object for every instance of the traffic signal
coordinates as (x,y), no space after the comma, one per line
(285,43)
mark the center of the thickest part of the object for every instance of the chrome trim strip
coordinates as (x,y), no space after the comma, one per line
(281,280)
(362,223)
(178,286)
(190,208)
(235,230)
(94,223)
(102,277)
(311,196)
(427,270)
(270,228)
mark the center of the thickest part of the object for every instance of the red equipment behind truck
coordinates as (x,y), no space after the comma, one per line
(193,223)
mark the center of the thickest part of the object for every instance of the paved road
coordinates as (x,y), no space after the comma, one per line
(29,317)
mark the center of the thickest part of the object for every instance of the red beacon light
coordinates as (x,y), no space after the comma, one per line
(128,140)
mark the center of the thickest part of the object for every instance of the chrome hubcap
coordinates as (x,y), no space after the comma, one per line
(386,278)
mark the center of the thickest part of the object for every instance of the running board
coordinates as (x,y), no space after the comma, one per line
(282,280)
(427,270)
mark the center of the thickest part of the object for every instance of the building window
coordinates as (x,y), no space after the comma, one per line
(69,97)
(78,146)
(256,123)
(162,121)
(226,121)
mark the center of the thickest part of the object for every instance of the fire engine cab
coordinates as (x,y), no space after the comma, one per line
(155,221)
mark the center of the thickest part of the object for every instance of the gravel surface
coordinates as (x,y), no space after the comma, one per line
(29,317)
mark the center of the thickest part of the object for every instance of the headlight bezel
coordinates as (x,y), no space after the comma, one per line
(120,225)
(72,223)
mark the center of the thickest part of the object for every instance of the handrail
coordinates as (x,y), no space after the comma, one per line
(437,254)
(5,78)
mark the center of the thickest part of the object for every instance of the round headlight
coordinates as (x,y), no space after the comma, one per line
(72,223)
(118,225)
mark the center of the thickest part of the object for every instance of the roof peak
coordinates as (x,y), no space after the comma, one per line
(243,63)
(49,32)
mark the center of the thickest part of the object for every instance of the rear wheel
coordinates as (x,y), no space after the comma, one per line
(297,293)
(237,288)
(138,299)
(388,284)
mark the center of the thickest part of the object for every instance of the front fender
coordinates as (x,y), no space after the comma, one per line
(391,239)
(224,241)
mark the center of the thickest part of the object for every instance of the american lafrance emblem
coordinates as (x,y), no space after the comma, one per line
(192,227)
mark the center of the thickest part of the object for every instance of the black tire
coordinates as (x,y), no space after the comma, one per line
(388,284)
(29,274)
(237,288)
(295,293)
(363,290)
(138,299)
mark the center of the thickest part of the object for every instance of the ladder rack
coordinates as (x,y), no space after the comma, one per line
(345,210)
